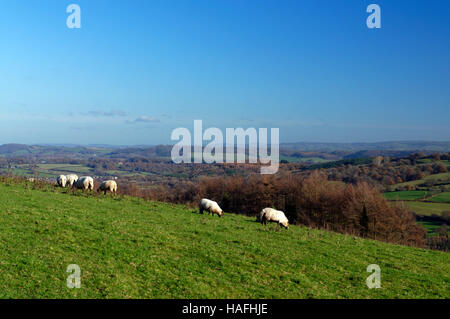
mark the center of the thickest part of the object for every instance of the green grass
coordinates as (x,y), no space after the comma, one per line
(437,177)
(430,161)
(427,209)
(293,159)
(129,248)
(406,195)
(441,198)
(50,170)
(431,228)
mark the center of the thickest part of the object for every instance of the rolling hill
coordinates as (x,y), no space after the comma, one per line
(130,248)
(294,152)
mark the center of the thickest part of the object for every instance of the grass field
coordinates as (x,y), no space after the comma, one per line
(406,195)
(422,203)
(441,198)
(54,170)
(49,170)
(129,248)
(436,177)
(425,200)
(430,161)
(64,167)
(431,228)
(428,209)
(293,159)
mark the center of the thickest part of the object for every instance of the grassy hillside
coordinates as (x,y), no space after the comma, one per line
(129,248)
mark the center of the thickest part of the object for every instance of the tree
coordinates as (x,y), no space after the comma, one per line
(364,221)
(377,160)
(439,168)
(442,230)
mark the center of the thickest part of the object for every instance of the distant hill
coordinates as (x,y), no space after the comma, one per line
(385,146)
(325,151)
(8,149)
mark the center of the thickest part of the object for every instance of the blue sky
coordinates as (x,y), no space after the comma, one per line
(138,69)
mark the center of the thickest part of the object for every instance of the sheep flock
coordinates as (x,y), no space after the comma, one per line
(86,183)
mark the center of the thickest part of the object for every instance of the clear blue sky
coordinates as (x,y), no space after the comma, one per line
(138,69)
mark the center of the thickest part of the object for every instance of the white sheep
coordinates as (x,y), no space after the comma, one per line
(108,185)
(260,215)
(61,180)
(211,206)
(84,183)
(274,216)
(71,178)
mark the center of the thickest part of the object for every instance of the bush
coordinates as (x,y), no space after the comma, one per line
(439,243)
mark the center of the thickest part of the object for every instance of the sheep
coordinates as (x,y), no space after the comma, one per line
(61,180)
(211,206)
(275,216)
(260,215)
(71,178)
(84,183)
(108,185)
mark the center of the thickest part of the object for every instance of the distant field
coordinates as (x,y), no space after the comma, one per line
(64,167)
(293,159)
(49,170)
(406,195)
(437,177)
(131,248)
(427,209)
(430,161)
(126,173)
(441,198)
(431,228)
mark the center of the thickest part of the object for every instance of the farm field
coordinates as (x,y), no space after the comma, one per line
(406,195)
(431,227)
(131,248)
(54,170)
(48,170)
(424,200)
(293,159)
(427,208)
(430,161)
(441,198)
(442,177)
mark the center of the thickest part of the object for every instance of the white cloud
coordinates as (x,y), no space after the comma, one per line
(145,119)
(97,113)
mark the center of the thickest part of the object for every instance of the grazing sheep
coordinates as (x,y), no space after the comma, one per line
(211,206)
(61,180)
(30,179)
(274,216)
(260,215)
(109,185)
(71,178)
(84,183)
